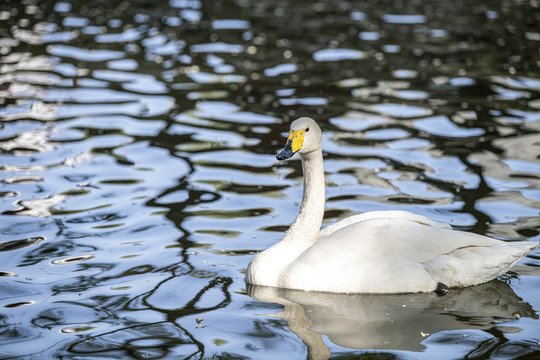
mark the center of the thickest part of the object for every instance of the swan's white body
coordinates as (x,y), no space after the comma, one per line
(374,252)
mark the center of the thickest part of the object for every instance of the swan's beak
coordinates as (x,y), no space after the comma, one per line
(294,143)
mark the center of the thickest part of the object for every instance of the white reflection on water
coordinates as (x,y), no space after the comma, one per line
(38,207)
(338,55)
(392,322)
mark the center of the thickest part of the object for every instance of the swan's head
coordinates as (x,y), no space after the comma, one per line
(305,136)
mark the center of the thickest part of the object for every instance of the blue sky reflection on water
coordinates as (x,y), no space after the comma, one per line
(138,173)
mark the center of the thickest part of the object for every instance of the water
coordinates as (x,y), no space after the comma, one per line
(138,175)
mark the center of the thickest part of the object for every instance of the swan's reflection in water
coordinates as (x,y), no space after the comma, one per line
(391,322)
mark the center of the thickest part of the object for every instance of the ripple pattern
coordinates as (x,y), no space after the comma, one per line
(138,173)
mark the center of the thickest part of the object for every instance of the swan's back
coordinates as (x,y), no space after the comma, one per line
(400,252)
(391,214)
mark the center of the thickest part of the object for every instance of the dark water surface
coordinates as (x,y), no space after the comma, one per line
(138,177)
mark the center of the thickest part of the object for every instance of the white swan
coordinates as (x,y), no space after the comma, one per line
(374,252)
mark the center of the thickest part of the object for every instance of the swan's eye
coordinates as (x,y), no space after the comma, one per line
(307,129)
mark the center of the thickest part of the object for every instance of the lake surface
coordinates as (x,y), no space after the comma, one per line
(138,173)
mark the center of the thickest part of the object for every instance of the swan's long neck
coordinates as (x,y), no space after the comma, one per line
(268,267)
(304,231)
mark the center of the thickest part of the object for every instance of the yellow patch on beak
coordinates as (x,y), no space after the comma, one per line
(297,140)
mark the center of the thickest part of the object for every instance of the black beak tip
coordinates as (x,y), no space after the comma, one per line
(284,154)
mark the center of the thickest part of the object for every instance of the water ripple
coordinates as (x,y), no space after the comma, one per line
(138,170)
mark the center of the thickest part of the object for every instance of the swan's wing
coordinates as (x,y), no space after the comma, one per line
(394,214)
(477,264)
(390,255)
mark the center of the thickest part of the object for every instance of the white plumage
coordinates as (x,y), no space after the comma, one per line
(374,252)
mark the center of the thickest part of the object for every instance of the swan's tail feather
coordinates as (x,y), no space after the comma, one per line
(483,263)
